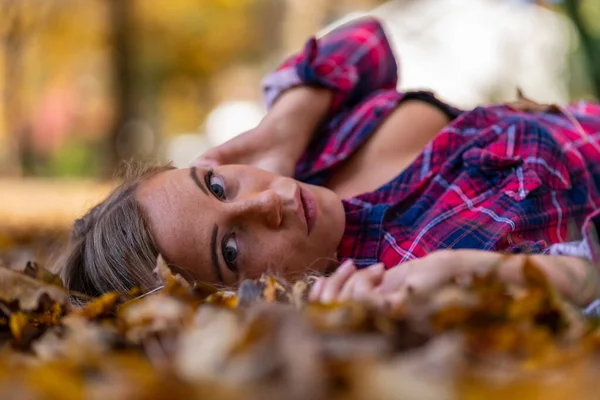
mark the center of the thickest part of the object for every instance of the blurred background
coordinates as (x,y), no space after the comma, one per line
(86,84)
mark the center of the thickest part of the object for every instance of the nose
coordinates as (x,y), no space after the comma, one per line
(265,206)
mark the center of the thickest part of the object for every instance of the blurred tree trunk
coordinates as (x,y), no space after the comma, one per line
(13,102)
(301,21)
(590,45)
(127,138)
(273,11)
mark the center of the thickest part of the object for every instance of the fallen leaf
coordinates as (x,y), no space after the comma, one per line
(28,292)
(22,330)
(154,314)
(33,270)
(103,306)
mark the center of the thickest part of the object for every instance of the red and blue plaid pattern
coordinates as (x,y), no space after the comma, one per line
(495,178)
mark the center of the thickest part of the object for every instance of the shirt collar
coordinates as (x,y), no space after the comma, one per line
(362,234)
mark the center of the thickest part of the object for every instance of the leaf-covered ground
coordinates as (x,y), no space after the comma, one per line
(476,340)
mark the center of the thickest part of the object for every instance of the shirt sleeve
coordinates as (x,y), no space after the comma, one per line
(353,61)
(590,236)
(588,247)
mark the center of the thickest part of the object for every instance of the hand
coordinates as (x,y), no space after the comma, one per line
(278,142)
(385,288)
(260,147)
(424,275)
(347,284)
(575,278)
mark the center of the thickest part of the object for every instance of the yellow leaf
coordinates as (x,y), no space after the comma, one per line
(102,306)
(17,323)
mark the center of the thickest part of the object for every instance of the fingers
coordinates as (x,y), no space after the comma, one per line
(225,153)
(207,159)
(361,285)
(348,284)
(326,290)
(365,285)
(423,276)
(317,289)
(395,278)
(387,288)
(203,162)
(390,301)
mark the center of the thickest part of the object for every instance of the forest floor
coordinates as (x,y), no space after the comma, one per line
(474,340)
(37,214)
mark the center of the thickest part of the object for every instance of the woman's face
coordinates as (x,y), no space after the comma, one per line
(236,221)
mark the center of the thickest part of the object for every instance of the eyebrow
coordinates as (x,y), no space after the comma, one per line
(213,254)
(215,231)
(197,181)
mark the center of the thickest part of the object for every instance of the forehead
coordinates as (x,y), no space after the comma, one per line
(179,217)
(163,186)
(167,196)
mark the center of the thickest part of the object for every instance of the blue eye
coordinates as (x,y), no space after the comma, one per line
(230,252)
(216,185)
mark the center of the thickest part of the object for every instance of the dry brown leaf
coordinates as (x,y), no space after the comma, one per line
(428,372)
(534,277)
(175,285)
(22,330)
(33,270)
(527,305)
(50,317)
(154,314)
(167,277)
(248,344)
(527,105)
(271,288)
(100,307)
(78,339)
(201,353)
(227,299)
(265,289)
(300,292)
(338,318)
(269,341)
(28,292)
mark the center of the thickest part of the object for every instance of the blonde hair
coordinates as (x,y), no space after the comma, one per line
(111,248)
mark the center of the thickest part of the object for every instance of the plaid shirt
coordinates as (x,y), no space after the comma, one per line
(495,178)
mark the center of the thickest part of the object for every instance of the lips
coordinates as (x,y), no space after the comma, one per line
(309,205)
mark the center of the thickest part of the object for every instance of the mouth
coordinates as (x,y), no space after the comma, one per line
(309,206)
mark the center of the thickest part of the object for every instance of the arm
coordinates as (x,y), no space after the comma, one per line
(294,118)
(574,278)
(332,73)
(572,268)
(353,61)
(279,140)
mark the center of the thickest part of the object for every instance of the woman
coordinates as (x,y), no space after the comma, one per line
(380,177)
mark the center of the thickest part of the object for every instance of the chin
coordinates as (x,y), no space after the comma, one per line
(331,266)
(323,266)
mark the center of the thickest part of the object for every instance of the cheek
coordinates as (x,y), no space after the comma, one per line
(264,253)
(330,207)
(333,225)
(280,253)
